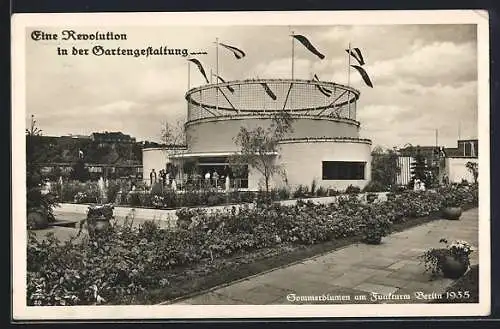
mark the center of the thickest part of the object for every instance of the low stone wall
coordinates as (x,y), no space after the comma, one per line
(170,216)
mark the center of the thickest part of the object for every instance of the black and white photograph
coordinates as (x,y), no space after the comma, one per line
(239,165)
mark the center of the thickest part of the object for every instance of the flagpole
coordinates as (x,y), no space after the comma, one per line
(217,72)
(349,80)
(211,75)
(293,66)
(189,75)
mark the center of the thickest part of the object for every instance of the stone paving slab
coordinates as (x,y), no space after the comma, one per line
(392,267)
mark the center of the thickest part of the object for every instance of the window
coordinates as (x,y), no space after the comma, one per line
(343,170)
(468,149)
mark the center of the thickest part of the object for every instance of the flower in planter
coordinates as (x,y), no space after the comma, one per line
(452,261)
(98,220)
(452,198)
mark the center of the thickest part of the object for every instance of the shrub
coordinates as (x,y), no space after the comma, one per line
(302,191)
(213,200)
(133,198)
(374,186)
(352,189)
(322,191)
(333,192)
(156,189)
(283,193)
(314,185)
(371,197)
(112,191)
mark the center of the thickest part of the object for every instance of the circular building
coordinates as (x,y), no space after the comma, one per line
(323,146)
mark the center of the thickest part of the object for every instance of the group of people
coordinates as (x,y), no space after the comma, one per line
(215,180)
(212,179)
(163,177)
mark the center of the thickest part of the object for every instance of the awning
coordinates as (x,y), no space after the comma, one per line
(207,154)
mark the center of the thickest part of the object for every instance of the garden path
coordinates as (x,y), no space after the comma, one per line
(392,267)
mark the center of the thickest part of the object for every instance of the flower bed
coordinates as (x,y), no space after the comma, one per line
(129,261)
(121,193)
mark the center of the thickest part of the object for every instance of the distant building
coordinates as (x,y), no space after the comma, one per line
(450,162)
(76,136)
(457,158)
(112,137)
(466,148)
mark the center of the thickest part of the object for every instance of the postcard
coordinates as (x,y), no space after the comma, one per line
(250,165)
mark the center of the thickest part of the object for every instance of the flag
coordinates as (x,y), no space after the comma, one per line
(238,53)
(323,90)
(268,91)
(308,45)
(356,53)
(200,67)
(231,89)
(364,75)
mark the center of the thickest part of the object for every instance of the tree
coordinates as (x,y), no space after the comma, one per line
(173,134)
(419,169)
(384,168)
(259,146)
(473,168)
(35,200)
(79,172)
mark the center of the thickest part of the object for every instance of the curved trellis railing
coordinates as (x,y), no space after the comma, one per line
(306,97)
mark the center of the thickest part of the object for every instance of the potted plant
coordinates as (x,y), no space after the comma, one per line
(375,228)
(98,219)
(452,204)
(452,261)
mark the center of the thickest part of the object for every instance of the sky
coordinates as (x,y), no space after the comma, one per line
(424,77)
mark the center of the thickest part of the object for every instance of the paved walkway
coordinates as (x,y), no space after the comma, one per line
(357,270)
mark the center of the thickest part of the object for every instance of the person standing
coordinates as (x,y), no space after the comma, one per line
(152,177)
(207,179)
(215,177)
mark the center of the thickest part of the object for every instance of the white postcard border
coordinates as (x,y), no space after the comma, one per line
(21,21)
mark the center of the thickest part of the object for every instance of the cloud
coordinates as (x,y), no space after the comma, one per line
(424,77)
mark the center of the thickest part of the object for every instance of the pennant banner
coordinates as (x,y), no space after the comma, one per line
(268,91)
(200,67)
(238,53)
(356,53)
(308,45)
(323,90)
(363,74)
(231,89)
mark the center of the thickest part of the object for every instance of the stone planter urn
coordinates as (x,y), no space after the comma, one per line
(99,219)
(453,268)
(452,213)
